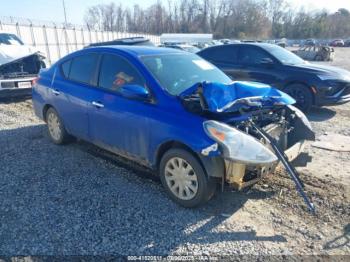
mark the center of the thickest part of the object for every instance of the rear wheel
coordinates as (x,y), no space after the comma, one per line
(57,131)
(184,179)
(302,96)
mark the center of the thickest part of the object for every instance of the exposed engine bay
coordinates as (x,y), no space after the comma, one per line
(23,67)
(270,121)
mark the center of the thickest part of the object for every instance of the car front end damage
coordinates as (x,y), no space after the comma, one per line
(255,128)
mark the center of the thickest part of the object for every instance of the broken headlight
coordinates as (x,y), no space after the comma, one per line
(238,146)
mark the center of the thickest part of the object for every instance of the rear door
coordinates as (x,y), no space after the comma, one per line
(118,123)
(225,58)
(71,92)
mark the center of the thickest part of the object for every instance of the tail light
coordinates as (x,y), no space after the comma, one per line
(35,80)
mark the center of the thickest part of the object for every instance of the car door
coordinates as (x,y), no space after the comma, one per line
(225,58)
(258,65)
(71,91)
(118,123)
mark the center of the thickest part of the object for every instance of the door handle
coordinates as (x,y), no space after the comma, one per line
(56,92)
(97,104)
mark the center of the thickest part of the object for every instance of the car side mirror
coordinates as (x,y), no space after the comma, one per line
(134,92)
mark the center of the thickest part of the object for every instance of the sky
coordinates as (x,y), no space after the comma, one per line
(52,10)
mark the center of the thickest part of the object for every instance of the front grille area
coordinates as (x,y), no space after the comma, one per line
(7,84)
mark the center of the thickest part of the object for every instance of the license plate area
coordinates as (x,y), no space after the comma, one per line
(25,84)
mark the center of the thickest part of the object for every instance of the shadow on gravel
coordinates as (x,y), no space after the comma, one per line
(68,200)
(339,241)
(14,99)
(319,114)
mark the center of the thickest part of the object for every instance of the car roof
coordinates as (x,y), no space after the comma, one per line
(265,46)
(139,50)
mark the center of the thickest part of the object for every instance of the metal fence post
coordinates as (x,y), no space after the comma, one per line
(32,34)
(57,42)
(89,35)
(75,38)
(66,39)
(82,36)
(18,30)
(46,44)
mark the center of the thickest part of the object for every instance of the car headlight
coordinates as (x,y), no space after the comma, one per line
(238,146)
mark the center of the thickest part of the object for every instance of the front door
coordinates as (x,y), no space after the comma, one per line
(116,122)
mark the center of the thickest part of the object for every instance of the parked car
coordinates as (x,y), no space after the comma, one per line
(315,53)
(163,108)
(310,42)
(184,47)
(138,40)
(347,42)
(337,42)
(309,84)
(19,65)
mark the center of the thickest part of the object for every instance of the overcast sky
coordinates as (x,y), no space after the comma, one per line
(52,9)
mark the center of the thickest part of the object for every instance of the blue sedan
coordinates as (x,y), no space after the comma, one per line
(171,111)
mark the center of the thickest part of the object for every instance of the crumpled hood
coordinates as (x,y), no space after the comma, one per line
(10,53)
(218,97)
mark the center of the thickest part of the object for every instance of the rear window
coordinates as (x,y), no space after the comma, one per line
(66,68)
(82,68)
(224,54)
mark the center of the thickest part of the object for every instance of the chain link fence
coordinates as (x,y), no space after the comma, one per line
(56,40)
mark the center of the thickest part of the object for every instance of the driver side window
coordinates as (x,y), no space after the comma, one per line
(116,71)
(252,56)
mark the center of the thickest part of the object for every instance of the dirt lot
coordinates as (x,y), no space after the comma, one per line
(78,200)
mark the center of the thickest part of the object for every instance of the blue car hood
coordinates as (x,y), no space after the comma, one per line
(232,97)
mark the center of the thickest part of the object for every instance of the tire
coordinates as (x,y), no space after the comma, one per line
(175,167)
(56,129)
(302,96)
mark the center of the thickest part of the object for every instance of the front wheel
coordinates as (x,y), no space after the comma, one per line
(302,96)
(184,178)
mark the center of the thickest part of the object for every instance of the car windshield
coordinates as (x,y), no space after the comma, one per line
(10,39)
(285,56)
(178,72)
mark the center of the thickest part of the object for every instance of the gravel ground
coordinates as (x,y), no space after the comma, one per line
(80,200)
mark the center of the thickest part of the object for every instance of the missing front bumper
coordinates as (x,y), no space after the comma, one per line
(240,175)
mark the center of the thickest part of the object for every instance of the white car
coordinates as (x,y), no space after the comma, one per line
(19,65)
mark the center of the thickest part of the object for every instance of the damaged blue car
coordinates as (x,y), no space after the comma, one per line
(173,112)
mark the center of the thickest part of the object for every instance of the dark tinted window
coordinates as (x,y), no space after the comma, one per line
(83,67)
(66,68)
(116,71)
(251,55)
(224,53)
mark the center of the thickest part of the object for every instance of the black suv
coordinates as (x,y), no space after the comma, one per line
(309,84)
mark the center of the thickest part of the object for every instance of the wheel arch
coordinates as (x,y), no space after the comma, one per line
(44,111)
(298,82)
(212,166)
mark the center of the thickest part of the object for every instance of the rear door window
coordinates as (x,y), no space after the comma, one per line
(82,68)
(66,68)
(223,54)
(249,55)
(116,71)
